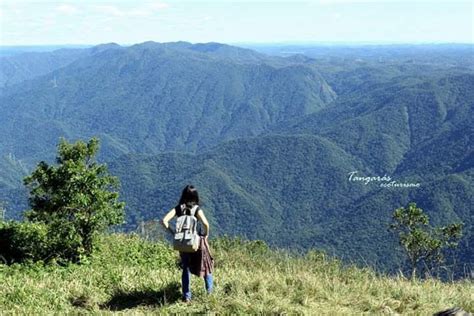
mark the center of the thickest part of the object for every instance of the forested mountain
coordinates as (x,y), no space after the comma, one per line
(399,126)
(271,142)
(12,192)
(259,182)
(153,97)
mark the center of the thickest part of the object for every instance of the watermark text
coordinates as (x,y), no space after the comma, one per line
(384,181)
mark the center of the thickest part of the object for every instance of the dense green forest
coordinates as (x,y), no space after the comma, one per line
(269,141)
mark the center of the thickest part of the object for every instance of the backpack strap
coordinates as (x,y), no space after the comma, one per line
(179,210)
(194,210)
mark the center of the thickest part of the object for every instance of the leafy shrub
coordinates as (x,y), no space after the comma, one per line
(71,203)
(20,242)
(36,241)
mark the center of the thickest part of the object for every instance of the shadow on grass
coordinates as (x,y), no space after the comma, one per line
(124,300)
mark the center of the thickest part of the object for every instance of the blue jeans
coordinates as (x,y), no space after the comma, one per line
(186,278)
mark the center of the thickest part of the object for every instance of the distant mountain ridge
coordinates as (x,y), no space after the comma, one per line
(20,67)
(153,97)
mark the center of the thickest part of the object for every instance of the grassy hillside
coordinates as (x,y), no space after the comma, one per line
(133,276)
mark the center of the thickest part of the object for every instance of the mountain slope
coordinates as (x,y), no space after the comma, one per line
(265,139)
(250,186)
(294,191)
(415,134)
(153,97)
(392,125)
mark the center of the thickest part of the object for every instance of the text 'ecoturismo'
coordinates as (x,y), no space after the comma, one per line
(385,181)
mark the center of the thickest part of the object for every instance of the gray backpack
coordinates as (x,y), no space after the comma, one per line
(186,237)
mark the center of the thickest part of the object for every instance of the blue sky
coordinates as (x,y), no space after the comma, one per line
(30,22)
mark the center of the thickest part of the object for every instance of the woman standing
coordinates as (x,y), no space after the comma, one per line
(189,200)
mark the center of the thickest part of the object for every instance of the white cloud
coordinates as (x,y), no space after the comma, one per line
(335,2)
(10,10)
(143,10)
(67,9)
(109,10)
(139,12)
(47,21)
(157,5)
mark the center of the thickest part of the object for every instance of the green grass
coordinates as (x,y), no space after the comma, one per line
(132,276)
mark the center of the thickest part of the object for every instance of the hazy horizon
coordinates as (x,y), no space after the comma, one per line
(269,43)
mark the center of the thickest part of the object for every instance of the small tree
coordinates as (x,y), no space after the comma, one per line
(421,242)
(76,198)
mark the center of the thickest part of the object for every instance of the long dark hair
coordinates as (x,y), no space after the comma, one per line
(189,196)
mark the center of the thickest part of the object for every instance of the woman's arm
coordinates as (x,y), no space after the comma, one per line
(200,216)
(165,221)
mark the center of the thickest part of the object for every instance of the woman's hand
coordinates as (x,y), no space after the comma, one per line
(167,218)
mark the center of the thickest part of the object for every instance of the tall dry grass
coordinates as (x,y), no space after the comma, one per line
(132,276)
